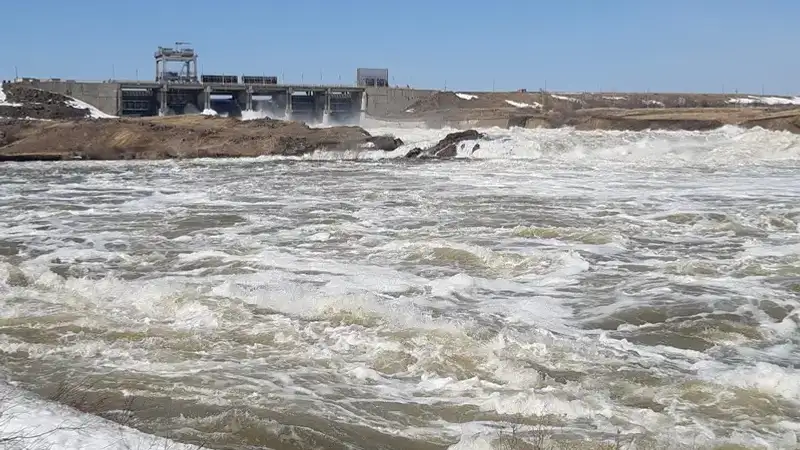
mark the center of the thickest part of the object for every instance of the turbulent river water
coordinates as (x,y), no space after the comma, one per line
(645,283)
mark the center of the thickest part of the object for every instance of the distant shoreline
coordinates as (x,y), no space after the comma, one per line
(47,127)
(675,119)
(197,136)
(602,111)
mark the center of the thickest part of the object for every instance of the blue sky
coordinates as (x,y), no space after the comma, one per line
(676,45)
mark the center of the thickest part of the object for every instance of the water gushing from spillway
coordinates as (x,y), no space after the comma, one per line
(647,282)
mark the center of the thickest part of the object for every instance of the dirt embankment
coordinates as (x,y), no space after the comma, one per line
(527,110)
(174,137)
(689,119)
(24,102)
(442,102)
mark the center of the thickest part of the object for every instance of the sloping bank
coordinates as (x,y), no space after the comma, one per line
(689,119)
(175,137)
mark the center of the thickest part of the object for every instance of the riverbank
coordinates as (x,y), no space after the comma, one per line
(43,126)
(613,119)
(195,136)
(175,137)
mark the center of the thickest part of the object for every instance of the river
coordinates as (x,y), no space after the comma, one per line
(640,283)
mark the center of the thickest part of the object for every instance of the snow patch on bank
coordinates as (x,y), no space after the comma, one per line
(24,118)
(209,112)
(3,99)
(466,96)
(772,101)
(93,112)
(655,103)
(523,105)
(27,422)
(565,98)
(255,115)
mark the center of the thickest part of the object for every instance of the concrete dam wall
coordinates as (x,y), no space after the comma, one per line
(116,98)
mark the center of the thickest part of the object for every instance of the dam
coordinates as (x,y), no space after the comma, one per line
(179,88)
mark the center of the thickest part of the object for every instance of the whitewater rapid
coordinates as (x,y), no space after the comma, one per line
(640,282)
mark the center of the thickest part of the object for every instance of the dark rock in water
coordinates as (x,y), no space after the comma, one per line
(475,148)
(447,147)
(414,153)
(448,151)
(386,143)
(454,138)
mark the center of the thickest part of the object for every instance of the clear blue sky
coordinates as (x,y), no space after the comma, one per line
(661,45)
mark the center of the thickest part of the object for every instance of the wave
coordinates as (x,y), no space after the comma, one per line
(728,145)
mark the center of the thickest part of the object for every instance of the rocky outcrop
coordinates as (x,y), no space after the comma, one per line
(20,93)
(385,143)
(174,137)
(448,147)
(23,102)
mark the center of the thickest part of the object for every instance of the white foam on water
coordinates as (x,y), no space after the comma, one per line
(728,145)
(592,274)
(763,377)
